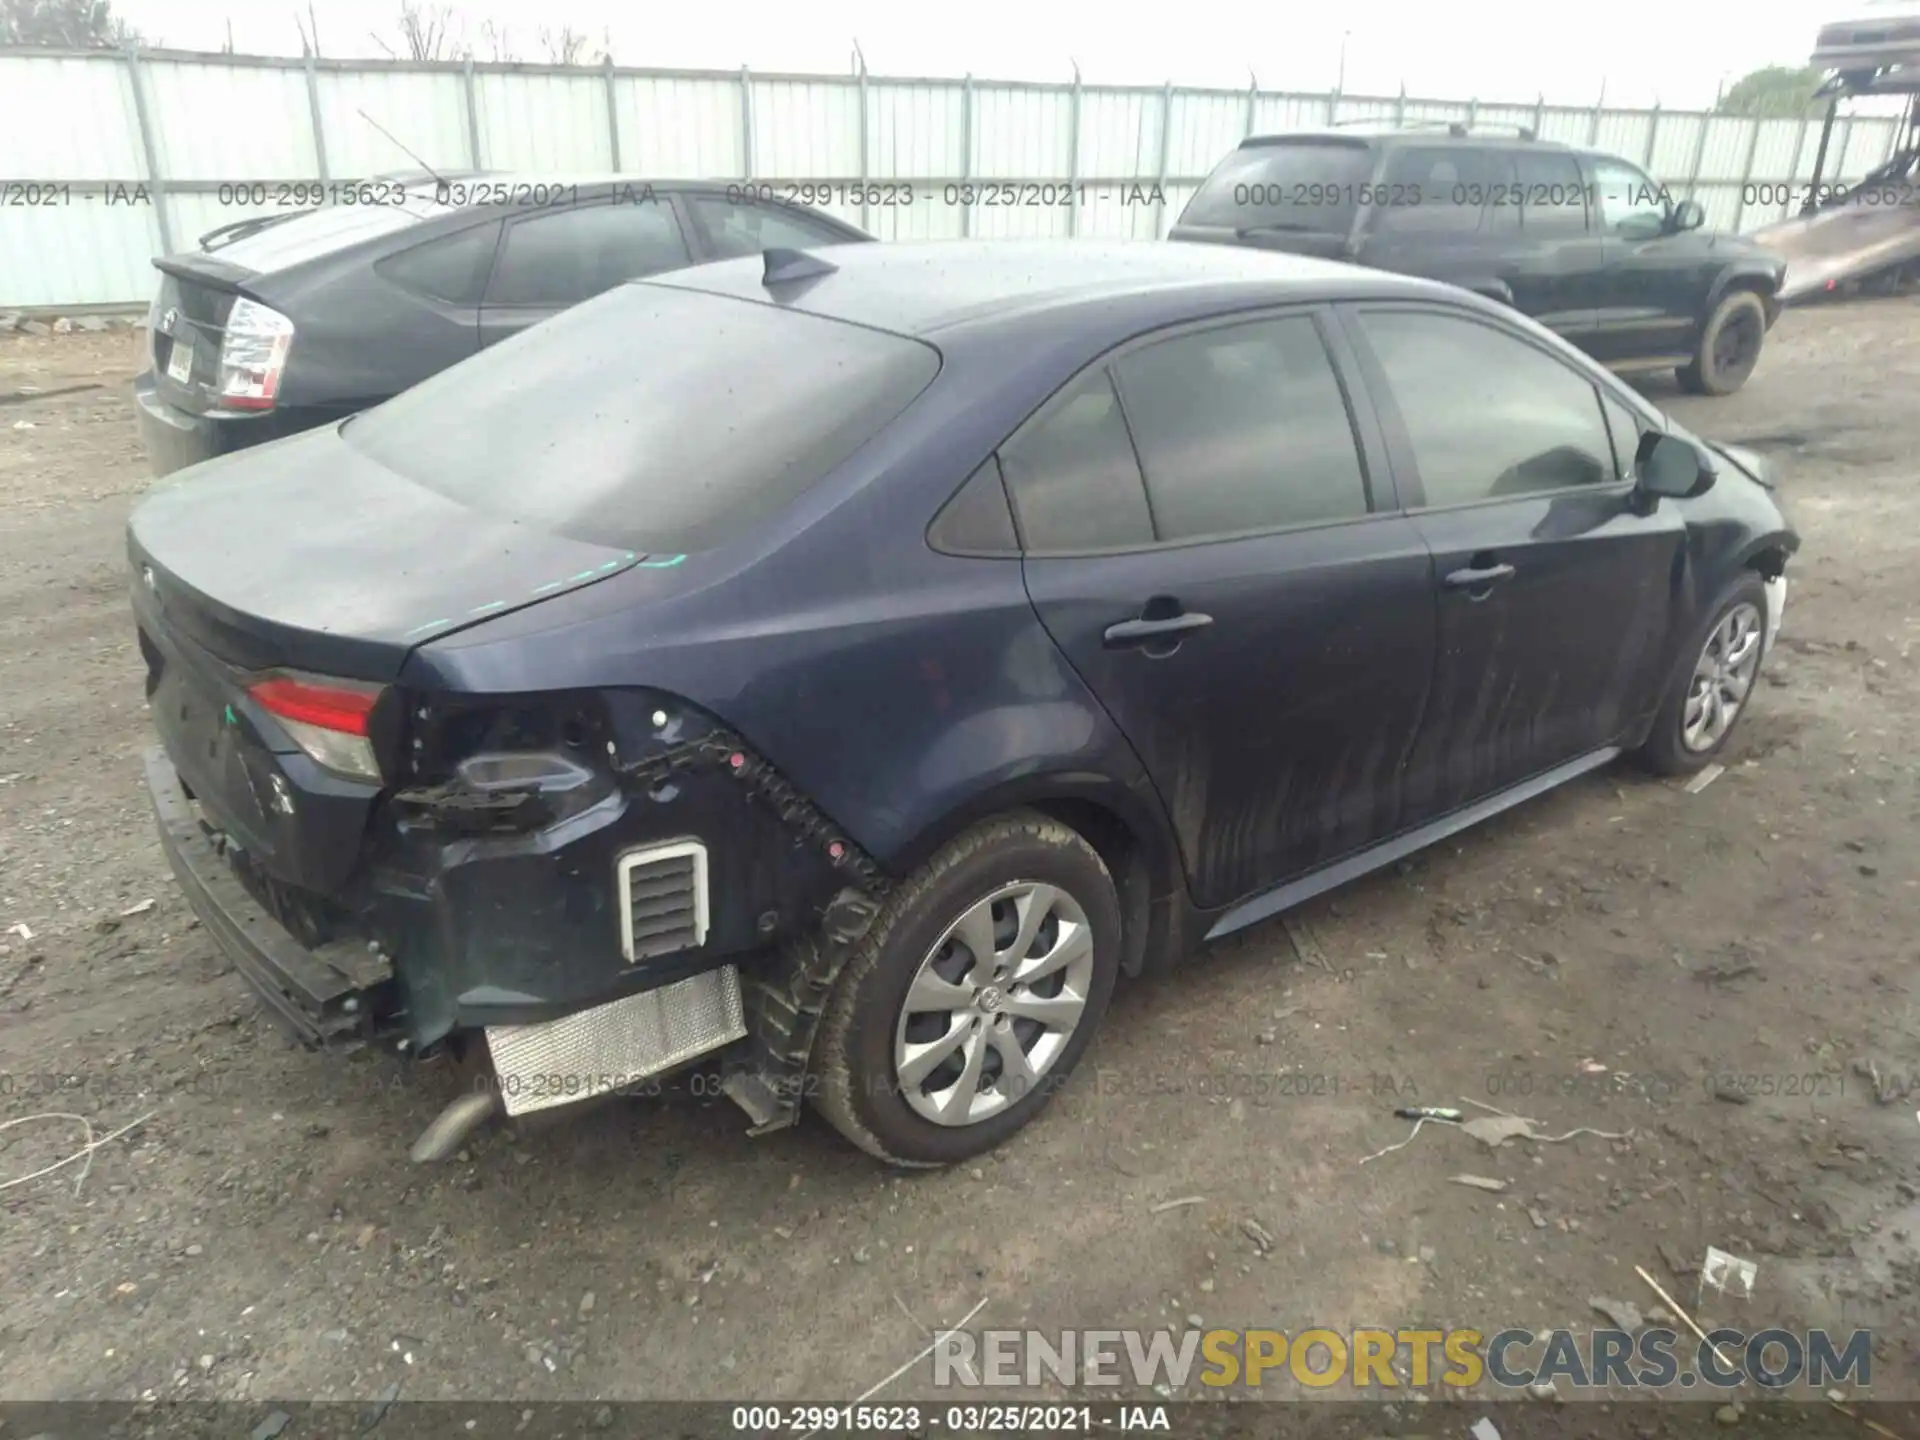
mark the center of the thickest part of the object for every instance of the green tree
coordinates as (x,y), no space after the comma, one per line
(1773,92)
(64,24)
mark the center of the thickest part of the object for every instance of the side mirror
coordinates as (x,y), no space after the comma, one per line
(1671,467)
(1689,215)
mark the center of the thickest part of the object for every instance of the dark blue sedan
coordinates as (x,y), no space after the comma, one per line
(840,671)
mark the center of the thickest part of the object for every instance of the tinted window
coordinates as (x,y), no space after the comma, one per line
(1488,415)
(1630,203)
(452,269)
(1291,185)
(977,520)
(1072,473)
(1242,429)
(1553,199)
(571,255)
(1501,216)
(736,230)
(1434,190)
(576,426)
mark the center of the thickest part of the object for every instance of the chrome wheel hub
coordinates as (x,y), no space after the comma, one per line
(994,1004)
(1722,678)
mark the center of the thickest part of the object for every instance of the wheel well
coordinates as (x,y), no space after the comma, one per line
(1756,283)
(1770,562)
(1126,861)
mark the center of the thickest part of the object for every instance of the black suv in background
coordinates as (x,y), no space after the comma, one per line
(297,318)
(1582,241)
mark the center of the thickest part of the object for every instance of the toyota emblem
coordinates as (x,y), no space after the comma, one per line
(146,576)
(169,320)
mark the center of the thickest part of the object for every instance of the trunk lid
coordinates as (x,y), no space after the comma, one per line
(306,556)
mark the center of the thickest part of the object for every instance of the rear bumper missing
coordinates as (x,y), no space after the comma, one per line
(330,997)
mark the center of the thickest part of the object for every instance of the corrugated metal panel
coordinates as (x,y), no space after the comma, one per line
(1119,133)
(1625,133)
(82,125)
(1567,127)
(1728,139)
(229,122)
(65,118)
(1776,154)
(913,131)
(1446,111)
(426,113)
(1205,128)
(806,130)
(1020,133)
(78,254)
(1517,116)
(680,129)
(547,124)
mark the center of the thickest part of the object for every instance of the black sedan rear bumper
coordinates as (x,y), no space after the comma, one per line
(176,438)
(331,997)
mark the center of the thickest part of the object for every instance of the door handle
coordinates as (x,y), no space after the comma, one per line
(1482,578)
(1145,632)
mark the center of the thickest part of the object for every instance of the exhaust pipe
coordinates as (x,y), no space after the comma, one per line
(454,1126)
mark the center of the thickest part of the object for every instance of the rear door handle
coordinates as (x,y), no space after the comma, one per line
(1479,579)
(1143,632)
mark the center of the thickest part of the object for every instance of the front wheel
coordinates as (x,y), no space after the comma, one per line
(973,995)
(1730,344)
(1709,690)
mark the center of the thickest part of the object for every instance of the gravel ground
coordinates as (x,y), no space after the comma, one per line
(1607,958)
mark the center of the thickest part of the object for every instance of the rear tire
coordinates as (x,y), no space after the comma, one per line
(1730,345)
(987,1039)
(1694,726)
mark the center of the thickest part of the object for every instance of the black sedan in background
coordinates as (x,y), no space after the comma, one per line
(292,318)
(950,629)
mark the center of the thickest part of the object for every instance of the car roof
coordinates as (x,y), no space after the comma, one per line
(923,287)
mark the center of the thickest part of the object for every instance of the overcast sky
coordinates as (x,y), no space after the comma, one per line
(1641,50)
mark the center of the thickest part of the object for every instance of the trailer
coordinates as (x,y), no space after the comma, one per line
(1865,236)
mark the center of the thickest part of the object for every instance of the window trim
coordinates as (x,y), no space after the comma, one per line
(1583,184)
(1406,466)
(1371,447)
(527,215)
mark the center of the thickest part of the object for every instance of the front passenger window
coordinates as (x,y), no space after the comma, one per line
(1488,415)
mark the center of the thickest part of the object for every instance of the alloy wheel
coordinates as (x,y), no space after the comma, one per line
(1722,678)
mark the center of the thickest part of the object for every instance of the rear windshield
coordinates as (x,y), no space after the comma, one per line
(308,237)
(1292,185)
(655,419)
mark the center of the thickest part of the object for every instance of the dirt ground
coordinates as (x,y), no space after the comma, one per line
(1605,958)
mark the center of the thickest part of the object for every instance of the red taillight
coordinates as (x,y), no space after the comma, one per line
(330,707)
(328,720)
(253,356)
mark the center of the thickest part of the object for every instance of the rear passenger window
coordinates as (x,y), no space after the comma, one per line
(573,255)
(1242,429)
(1553,197)
(453,268)
(976,521)
(1487,414)
(1434,190)
(1072,474)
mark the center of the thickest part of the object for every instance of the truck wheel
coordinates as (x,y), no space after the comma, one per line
(972,996)
(1730,344)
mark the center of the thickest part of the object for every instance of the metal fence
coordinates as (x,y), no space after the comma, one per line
(108,158)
